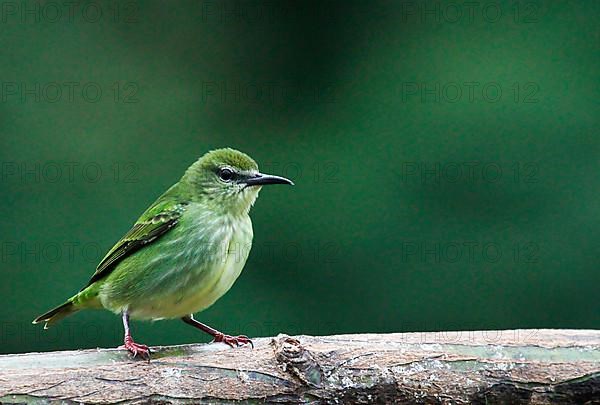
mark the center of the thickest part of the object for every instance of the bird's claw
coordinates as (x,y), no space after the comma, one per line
(137,349)
(233,341)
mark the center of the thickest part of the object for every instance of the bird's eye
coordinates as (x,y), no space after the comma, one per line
(226,174)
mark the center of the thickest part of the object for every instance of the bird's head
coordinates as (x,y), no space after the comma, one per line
(228,180)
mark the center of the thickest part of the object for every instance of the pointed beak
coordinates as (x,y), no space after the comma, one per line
(264,179)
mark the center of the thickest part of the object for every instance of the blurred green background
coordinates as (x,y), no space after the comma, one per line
(446,159)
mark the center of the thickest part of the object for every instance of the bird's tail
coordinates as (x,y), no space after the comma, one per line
(56,314)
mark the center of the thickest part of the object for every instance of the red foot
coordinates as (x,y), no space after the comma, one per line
(136,348)
(233,341)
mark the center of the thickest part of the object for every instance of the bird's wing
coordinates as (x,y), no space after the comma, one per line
(155,222)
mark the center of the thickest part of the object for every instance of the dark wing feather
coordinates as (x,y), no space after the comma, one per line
(155,222)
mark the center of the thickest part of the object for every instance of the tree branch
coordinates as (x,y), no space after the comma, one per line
(483,367)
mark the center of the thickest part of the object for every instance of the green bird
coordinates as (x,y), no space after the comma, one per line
(184,252)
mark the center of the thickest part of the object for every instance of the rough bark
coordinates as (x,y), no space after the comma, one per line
(483,367)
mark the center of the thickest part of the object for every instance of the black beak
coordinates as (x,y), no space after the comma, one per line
(264,179)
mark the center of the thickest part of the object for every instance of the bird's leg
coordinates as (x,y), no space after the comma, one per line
(134,348)
(232,341)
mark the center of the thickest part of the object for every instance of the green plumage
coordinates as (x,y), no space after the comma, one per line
(185,251)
